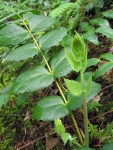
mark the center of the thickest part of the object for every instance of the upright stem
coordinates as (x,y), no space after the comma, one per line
(50,70)
(85,110)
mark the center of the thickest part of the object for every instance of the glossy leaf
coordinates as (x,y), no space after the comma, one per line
(100,22)
(89,86)
(107,56)
(108,14)
(103,69)
(107,31)
(91,36)
(92,61)
(75,102)
(60,65)
(4,98)
(34,79)
(50,108)
(107,146)
(22,53)
(59,127)
(38,23)
(52,38)
(74,87)
(12,35)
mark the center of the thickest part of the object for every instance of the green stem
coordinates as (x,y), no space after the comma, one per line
(85,110)
(50,70)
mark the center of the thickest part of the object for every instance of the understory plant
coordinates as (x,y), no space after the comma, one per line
(51,55)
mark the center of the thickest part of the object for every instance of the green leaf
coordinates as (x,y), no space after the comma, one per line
(59,127)
(107,146)
(75,102)
(52,38)
(85,148)
(76,66)
(34,79)
(107,31)
(65,137)
(78,48)
(12,35)
(4,98)
(74,87)
(107,56)
(60,65)
(21,99)
(38,23)
(91,36)
(100,22)
(22,53)
(50,108)
(85,26)
(92,61)
(108,14)
(103,69)
(89,86)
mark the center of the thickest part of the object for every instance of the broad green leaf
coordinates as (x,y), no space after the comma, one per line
(74,87)
(75,102)
(85,148)
(92,61)
(22,53)
(12,34)
(38,23)
(4,98)
(107,146)
(52,38)
(50,108)
(103,69)
(65,137)
(108,14)
(100,22)
(89,86)
(59,127)
(60,65)
(107,56)
(34,79)
(85,26)
(107,31)
(76,66)
(21,99)
(66,41)
(78,48)
(91,36)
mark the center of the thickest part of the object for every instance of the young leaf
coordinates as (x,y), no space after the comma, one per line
(76,102)
(4,98)
(52,38)
(89,86)
(107,56)
(103,69)
(76,66)
(92,61)
(50,108)
(60,65)
(65,137)
(39,23)
(12,35)
(22,53)
(78,48)
(34,79)
(59,127)
(74,87)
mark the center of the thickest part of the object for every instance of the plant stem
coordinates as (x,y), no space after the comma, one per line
(50,70)
(85,110)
